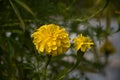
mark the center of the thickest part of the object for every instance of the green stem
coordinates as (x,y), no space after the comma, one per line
(46,65)
(106,58)
(79,58)
(96,56)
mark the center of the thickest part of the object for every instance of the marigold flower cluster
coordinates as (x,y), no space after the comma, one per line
(54,40)
(51,39)
(82,43)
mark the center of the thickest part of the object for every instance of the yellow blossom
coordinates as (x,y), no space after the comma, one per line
(82,43)
(51,39)
(107,47)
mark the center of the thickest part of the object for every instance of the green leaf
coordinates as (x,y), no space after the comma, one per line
(25,7)
(18,14)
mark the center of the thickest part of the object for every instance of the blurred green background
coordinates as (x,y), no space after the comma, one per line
(19,59)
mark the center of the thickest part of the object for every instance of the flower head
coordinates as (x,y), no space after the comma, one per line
(107,47)
(51,39)
(82,43)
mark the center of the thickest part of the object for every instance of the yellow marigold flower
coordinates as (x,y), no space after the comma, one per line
(51,39)
(82,43)
(107,47)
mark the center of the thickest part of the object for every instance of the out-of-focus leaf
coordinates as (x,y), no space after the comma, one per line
(10,49)
(118,25)
(25,7)
(17,31)
(18,14)
(60,75)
